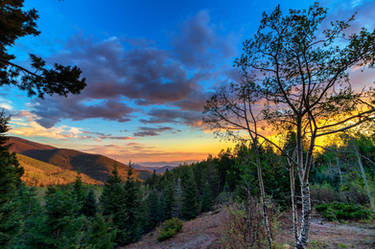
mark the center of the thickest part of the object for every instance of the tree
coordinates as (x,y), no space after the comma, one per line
(153,210)
(10,181)
(190,203)
(168,200)
(207,199)
(231,113)
(60,227)
(100,235)
(303,73)
(30,210)
(79,192)
(90,208)
(131,204)
(37,78)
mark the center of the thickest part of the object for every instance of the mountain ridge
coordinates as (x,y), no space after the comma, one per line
(95,166)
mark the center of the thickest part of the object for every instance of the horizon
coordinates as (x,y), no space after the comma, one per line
(149,70)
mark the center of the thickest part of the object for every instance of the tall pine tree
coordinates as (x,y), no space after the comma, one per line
(190,202)
(10,181)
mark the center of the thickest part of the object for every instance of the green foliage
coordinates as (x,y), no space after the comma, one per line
(170,228)
(90,208)
(58,226)
(153,210)
(30,210)
(315,244)
(190,203)
(100,234)
(336,211)
(15,22)
(10,174)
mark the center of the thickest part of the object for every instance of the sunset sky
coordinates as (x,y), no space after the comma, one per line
(149,65)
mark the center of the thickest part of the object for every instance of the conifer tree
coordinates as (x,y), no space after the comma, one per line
(130,203)
(207,199)
(60,226)
(79,192)
(100,235)
(31,212)
(190,203)
(152,211)
(111,193)
(168,203)
(10,180)
(89,208)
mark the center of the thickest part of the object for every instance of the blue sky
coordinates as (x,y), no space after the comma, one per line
(150,65)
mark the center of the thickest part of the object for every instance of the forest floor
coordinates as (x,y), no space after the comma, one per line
(204,233)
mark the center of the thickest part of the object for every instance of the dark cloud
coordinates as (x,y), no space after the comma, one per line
(135,71)
(53,109)
(195,101)
(173,116)
(149,131)
(198,44)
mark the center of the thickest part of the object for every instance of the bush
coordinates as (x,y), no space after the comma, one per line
(169,228)
(336,211)
(242,225)
(325,194)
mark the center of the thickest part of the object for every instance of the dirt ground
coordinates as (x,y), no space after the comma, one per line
(203,233)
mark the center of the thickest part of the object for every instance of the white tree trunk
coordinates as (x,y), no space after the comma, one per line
(264,204)
(363,173)
(293,199)
(303,236)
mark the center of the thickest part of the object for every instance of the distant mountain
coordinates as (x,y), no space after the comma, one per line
(95,166)
(158,170)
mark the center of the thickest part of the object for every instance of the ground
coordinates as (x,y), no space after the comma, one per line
(203,233)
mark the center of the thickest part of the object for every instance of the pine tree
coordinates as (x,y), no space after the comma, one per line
(100,235)
(152,211)
(89,208)
(79,193)
(31,212)
(207,198)
(60,227)
(112,191)
(168,201)
(190,203)
(130,201)
(10,181)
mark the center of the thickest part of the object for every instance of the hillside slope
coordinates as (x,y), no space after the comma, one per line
(205,231)
(38,173)
(95,166)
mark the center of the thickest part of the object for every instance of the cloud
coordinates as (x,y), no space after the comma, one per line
(53,109)
(198,43)
(5,104)
(149,131)
(173,116)
(24,123)
(123,75)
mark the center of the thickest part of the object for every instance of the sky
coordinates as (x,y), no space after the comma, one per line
(149,66)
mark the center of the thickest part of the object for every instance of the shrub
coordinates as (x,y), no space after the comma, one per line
(242,225)
(325,194)
(343,211)
(169,228)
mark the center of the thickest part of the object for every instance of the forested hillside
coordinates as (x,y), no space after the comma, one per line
(94,168)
